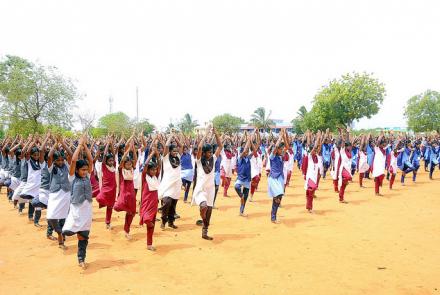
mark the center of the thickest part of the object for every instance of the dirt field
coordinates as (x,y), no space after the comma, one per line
(373,245)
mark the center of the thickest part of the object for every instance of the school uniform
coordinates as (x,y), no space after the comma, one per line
(127,197)
(363,166)
(310,170)
(107,195)
(344,172)
(169,189)
(256,167)
(187,172)
(326,151)
(275,183)
(40,202)
(23,178)
(79,219)
(392,167)
(334,172)
(204,192)
(415,161)
(226,170)
(59,196)
(404,163)
(378,167)
(243,182)
(149,205)
(434,159)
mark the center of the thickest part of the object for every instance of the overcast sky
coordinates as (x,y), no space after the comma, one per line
(209,57)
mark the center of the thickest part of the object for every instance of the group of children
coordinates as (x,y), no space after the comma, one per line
(63,175)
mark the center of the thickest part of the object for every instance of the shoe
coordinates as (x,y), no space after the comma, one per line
(151,248)
(205,235)
(172,225)
(162,226)
(199,222)
(176,216)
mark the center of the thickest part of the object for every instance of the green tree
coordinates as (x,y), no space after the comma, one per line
(298,122)
(345,100)
(32,95)
(118,123)
(261,119)
(187,124)
(423,112)
(144,125)
(227,123)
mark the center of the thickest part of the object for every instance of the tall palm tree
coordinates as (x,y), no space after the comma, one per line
(261,119)
(187,124)
(302,111)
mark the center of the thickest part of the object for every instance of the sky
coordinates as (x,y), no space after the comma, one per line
(210,57)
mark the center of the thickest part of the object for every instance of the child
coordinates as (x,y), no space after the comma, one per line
(205,188)
(79,219)
(403,160)
(242,184)
(149,199)
(345,175)
(226,168)
(379,163)
(363,166)
(256,165)
(415,159)
(392,165)
(59,192)
(170,184)
(434,157)
(310,170)
(187,173)
(107,195)
(276,176)
(127,197)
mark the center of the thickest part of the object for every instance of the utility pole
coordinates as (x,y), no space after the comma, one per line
(110,103)
(137,104)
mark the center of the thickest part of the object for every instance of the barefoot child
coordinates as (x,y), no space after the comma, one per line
(149,200)
(127,197)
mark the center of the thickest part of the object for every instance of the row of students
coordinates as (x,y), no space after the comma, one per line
(61,181)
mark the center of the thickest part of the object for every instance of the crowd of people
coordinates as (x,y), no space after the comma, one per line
(63,175)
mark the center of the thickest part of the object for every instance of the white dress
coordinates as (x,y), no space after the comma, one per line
(205,186)
(378,162)
(170,183)
(32,186)
(226,164)
(58,203)
(363,162)
(345,164)
(80,215)
(312,171)
(137,175)
(334,172)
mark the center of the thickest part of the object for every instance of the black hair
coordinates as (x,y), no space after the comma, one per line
(171,147)
(151,165)
(35,150)
(206,148)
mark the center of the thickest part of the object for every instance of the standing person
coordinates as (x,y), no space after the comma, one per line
(310,170)
(256,164)
(336,161)
(345,175)
(415,159)
(276,176)
(226,167)
(16,158)
(434,157)
(404,160)
(363,166)
(392,165)
(32,188)
(379,163)
(59,191)
(137,174)
(23,178)
(326,153)
(127,196)
(40,202)
(79,220)
(204,192)
(107,195)
(150,199)
(187,172)
(170,184)
(243,182)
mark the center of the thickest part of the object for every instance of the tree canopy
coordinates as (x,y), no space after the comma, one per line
(227,123)
(187,124)
(345,100)
(32,95)
(261,118)
(423,112)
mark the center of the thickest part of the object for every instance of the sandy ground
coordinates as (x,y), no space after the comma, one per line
(373,245)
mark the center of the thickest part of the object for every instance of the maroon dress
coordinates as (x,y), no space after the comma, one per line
(127,197)
(149,204)
(107,195)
